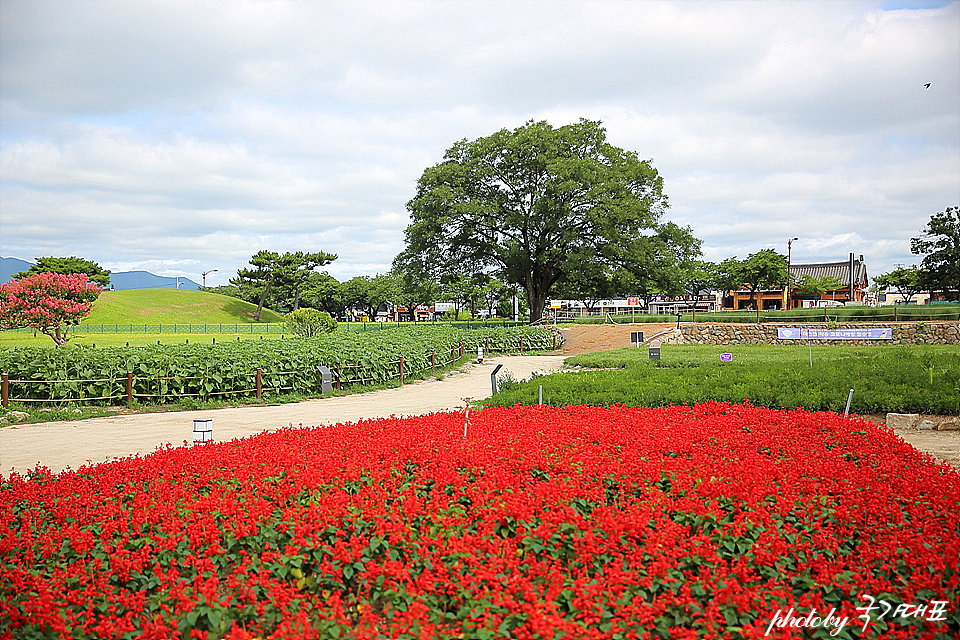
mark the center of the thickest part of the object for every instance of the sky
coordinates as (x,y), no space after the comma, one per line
(181,137)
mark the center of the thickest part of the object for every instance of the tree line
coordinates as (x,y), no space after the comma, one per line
(543,212)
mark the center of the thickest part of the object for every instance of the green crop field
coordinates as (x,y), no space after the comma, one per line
(897,378)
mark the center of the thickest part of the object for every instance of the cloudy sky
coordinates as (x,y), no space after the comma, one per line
(184,136)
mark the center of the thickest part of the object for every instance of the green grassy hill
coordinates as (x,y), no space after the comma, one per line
(169,306)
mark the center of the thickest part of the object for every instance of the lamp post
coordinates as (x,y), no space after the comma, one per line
(789,288)
(204,276)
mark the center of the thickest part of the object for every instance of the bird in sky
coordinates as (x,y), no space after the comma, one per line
(927,86)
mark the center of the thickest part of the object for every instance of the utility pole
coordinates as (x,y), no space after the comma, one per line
(789,287)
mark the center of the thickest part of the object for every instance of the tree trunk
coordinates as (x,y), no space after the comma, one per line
(263,298)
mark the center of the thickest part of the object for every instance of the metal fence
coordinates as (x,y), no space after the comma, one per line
(274,328)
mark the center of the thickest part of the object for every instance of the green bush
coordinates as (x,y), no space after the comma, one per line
(309,322)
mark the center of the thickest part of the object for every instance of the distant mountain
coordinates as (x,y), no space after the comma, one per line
(124,280)
(120,280)
(10,266)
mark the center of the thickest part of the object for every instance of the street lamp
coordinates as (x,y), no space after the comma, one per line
(789,288)
(204,276)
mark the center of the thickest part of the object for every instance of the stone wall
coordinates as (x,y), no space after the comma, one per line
(903,333)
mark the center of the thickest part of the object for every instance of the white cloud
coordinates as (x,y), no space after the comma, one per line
(193,134)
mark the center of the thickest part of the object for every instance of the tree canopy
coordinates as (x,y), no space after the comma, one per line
(765,269)
(67,266)
(533,205)
(903,280)
(811,286)
(288,272)
(49,302)
(940,247)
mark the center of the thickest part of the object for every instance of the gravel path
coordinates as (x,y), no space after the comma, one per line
(61,445)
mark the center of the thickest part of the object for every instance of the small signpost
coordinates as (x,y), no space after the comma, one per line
(326,380)
(726,357)
(493,379)
(636,336)
(633,303)
(655,351)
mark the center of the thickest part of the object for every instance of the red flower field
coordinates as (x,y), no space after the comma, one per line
(712,521)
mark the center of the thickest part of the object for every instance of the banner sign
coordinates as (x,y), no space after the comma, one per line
(791,333)
(633,302)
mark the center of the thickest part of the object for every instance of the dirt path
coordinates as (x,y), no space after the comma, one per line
(58,445)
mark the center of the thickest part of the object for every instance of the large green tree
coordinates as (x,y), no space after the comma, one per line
(286,272)
(67,266)
(531,205)
(940,247)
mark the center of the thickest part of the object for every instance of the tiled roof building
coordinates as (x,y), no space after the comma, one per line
(777,298)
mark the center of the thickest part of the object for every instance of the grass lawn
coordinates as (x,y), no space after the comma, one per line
(898,378)
(169,306)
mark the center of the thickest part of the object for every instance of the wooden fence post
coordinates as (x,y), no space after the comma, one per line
(129,386)
(453,350)
(486,344)
(259,384)
(521,345)
(337,381)
(401,370)
(5,390)
(554,342)
(433,359)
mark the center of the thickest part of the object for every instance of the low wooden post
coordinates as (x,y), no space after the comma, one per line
(259,384)
(453,351)
(336,382)
(486,344)
(433,359)
(521,344)
(129,386)
(554,342)
(401,370)
(4,390)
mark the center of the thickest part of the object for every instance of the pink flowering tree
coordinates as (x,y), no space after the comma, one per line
(50,303)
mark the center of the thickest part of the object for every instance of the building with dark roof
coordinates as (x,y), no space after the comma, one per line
(851,273)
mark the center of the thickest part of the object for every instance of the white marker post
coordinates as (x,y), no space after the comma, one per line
(202,430)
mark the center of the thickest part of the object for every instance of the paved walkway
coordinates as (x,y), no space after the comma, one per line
(61,445)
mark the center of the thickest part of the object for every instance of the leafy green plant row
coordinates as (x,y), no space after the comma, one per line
(204,371)
(902,378)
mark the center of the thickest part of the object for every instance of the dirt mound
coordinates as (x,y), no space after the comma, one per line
(586,338)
